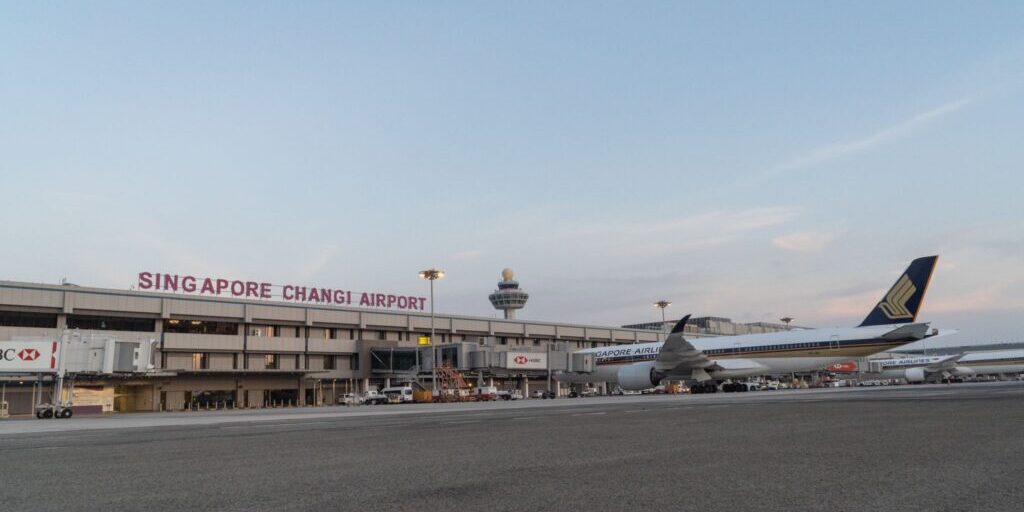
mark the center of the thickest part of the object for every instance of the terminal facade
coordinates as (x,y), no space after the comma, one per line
(214,351)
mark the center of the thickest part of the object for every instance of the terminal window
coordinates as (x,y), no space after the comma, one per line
(177,325)
(23,319)
(103,323)
(266,330)
(328,362)
(200,361)
(270,361)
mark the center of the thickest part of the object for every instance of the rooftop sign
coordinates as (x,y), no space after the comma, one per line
(216,286)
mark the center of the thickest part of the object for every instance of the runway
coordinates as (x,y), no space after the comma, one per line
(931,447)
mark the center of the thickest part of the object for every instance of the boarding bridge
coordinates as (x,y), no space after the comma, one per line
(67,357)
(479,355)
(99,355)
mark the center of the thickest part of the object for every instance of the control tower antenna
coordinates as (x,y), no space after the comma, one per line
(508,297)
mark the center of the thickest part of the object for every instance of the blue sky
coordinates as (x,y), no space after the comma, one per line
(743,159)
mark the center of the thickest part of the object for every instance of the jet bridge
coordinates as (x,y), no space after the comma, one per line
(71,355)
(479,356)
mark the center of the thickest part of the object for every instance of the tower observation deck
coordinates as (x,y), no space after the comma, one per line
(508,297)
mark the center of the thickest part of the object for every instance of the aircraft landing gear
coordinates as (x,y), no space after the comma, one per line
(735,387)
(704,387)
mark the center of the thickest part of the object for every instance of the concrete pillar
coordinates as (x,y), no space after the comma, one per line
(524,386)
(158,329)
(366,385)
(387,382)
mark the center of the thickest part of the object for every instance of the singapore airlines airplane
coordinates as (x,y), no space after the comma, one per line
(939,368)
(709,361)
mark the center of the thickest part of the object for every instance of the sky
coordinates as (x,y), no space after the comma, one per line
(751,160)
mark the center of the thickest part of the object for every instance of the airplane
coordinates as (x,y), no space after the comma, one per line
(940,368)
(708,362)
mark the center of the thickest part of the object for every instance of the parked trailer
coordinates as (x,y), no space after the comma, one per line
(485,393)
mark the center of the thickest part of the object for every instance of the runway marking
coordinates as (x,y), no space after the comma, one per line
(459,422)
(298,423)
(527,417)
(590,413)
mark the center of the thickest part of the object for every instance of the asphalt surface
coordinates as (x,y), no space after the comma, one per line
(929,448)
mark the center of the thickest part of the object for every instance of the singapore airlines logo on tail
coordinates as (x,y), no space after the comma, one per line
(895,304)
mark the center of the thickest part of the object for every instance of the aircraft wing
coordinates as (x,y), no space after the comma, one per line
(946,363)
(916,331)
(679,356)
(739,367)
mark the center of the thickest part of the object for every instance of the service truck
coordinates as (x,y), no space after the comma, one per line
(398,394)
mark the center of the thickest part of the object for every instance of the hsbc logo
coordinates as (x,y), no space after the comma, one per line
(28,354)
(526,361)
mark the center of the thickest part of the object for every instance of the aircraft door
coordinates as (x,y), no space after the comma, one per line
(833,342)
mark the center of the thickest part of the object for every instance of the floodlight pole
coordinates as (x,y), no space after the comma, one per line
(432,275)
(433,349)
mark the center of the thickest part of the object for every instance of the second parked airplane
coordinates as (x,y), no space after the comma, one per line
(939,368)
(708,361)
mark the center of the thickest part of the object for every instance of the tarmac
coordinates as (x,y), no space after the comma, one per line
(927,447)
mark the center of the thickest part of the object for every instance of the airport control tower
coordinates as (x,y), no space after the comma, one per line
(508,297)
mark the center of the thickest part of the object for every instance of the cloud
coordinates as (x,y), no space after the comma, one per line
(884,136)
(316,261)
(732,221)
(467,254)
(804,242)
(631,240)
(858,304)
(979,299)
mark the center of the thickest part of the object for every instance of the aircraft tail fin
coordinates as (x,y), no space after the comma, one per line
(902,302)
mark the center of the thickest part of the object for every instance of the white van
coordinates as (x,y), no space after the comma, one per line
(485,393)
(398,394)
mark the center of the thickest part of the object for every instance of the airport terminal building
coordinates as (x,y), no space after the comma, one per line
(222,343)
(249,352)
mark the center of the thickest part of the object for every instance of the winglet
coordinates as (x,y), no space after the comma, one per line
(680,325)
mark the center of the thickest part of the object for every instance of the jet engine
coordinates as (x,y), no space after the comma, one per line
(914,375)
(638,376)
(962,371)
